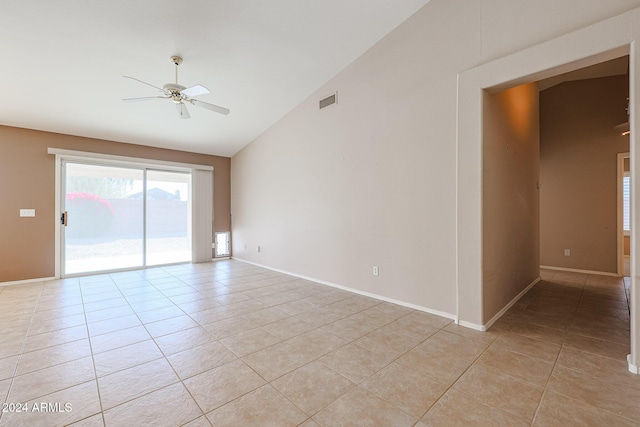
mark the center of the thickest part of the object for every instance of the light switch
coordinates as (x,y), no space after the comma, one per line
(27,212)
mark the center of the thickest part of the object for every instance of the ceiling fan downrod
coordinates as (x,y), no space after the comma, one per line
(176,61)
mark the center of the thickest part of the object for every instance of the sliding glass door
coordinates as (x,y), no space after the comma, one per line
(123,217)
(168,217)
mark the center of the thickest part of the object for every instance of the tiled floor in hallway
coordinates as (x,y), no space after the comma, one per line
(228,343)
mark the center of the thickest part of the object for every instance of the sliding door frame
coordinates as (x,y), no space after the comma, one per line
(202,200)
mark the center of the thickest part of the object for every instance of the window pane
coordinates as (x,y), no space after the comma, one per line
(168,217)
(104,229)
(626,206)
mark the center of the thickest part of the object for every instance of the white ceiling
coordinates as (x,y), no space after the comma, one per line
(64,61)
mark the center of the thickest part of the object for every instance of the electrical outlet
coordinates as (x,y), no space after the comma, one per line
(376,271)
(567,252)
(27,212)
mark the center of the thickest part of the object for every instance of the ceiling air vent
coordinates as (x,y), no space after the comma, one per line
(329,100)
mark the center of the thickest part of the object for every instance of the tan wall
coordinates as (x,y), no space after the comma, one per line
(627,245)
(510,197)
(27,174)
(578,172)
(372,181)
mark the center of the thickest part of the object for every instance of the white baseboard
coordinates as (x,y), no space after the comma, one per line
(577,270)
(632,368)
(511,303)
(474,326)
(356,291)
(22,282)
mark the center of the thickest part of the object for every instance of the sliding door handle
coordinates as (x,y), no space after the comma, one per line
(64,218)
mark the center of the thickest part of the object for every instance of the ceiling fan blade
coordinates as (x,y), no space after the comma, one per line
(195,91)
(211,107)
(145,83)
(145,98)
(182,111)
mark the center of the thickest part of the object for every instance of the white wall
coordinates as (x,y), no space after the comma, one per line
(371,181)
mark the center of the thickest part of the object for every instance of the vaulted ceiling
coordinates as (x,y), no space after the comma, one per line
(63,63)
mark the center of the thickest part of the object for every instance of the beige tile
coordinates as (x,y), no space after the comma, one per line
(265,316)
(427,319)
(315,343)
(55,355)
(309,423)
(183,340)
(542,333)
(228,327)
(387,311)
(531,347)
(487,337)
(134,382)
(94,421)
(58,409)
(109,313)
(55,324)
(171,406)
(101,305)
(455,345)
(125,357)
(612,397)
(264,407)
(112,325)
(517,365)
(57,313)
(600,331)
(249,342)
(11,348)
(8,367)
(117,339)
(365,407)
(49,339)
(49,380)
(107,293)
(388,342)
(277,360)
(160,314)
(291,326)
(313,386)
(187,297)
(557,410)
(199,422)
(355,362)
(599,368)
(502,391)
(171,325)
(199,359)
(4,389)
(352,327)
(218,386)
(460,410)
(292,308)
(597,346)
(15,323)
(406,389)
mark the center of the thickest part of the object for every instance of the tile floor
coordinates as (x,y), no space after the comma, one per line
(230,344)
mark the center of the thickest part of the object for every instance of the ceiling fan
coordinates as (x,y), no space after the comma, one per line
(179,94)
